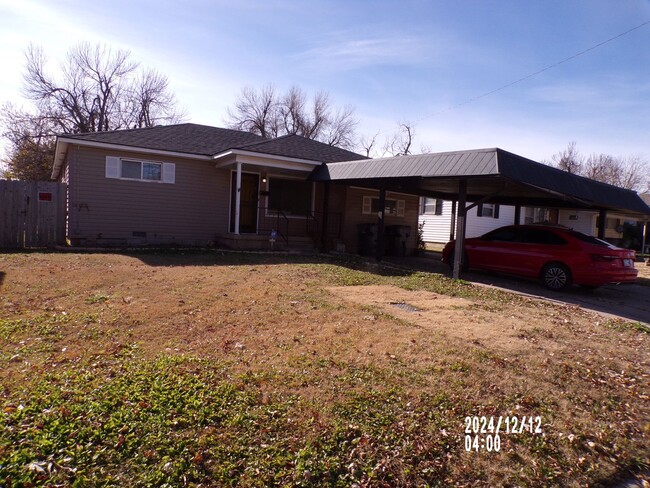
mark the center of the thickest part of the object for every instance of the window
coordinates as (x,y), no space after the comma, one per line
(132,169)
(139,170)
(432,206)
(506,234)
(293,197)
(541,236)
(392,207)
(488,210)
(536,215)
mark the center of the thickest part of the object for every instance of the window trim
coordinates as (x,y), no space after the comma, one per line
(438,206)
(495,210)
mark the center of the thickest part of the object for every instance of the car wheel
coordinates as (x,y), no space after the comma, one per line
(556,276)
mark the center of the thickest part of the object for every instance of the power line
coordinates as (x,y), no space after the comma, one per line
(508,85)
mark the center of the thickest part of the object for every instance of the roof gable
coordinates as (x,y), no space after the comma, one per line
(295,146)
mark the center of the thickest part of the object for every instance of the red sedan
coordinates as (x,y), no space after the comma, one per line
(558,256)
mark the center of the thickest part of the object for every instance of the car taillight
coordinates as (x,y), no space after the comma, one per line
(603,258)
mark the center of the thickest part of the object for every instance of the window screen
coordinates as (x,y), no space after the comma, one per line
(292,197)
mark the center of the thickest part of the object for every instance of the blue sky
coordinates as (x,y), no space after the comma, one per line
(392,60)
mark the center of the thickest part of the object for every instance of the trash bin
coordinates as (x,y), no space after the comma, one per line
(396,237)
(367,238)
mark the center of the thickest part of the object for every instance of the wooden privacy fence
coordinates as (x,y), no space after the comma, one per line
(32,214)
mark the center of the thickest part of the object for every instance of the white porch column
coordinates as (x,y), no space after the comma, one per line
(237,198)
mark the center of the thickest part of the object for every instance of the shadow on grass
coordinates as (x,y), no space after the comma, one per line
(225,257)
(235,258)
(630,302)
(2,278)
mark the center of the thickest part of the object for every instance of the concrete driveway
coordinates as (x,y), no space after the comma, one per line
(631,301)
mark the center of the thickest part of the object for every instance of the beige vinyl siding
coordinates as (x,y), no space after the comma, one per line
(106,211)
(353,216)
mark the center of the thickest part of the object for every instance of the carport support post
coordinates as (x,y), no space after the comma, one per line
(460,229)
(380,224)
(517,214)
(602,221)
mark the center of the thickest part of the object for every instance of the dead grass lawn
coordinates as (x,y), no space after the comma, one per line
(308,326)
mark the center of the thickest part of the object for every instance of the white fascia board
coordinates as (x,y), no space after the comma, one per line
(59,158)
(243,155)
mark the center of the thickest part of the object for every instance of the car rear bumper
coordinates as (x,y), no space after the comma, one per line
(627,275)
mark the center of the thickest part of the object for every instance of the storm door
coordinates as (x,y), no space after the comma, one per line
(250,188)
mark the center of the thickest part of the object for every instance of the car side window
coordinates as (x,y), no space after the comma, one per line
(501,235)
(540,236)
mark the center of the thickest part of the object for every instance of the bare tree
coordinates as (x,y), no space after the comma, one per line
(569,159)
(369,144)
(399,144)
(98,89)
(149,102)
(269,114)
(256,111)
(94,89)
(631,172)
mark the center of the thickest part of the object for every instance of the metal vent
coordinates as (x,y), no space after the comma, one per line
(406,306)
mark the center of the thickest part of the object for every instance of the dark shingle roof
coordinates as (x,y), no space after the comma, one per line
(182,138)
(209,141)
(294,146)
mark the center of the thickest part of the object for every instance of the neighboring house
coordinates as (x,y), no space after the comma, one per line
(436,220)
(190,184)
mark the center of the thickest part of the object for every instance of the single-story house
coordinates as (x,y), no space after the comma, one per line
(191,184)
(197,185)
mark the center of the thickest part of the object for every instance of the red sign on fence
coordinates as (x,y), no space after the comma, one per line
(44,196)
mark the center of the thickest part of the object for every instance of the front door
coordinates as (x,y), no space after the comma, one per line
(250,187)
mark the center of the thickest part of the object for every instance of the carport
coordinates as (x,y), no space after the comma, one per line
(480,176)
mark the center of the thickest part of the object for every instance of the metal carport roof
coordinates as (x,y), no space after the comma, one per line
(502,176)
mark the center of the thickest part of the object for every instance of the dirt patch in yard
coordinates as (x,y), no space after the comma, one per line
(450,317)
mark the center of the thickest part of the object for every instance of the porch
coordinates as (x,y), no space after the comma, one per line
(274,205)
